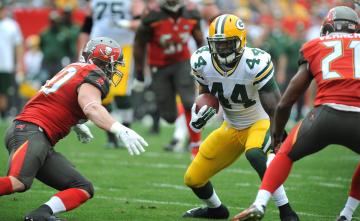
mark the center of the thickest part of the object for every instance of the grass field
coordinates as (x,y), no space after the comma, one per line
(150,186)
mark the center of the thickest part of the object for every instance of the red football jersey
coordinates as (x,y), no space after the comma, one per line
(168,38)
(55,108)
(334,61)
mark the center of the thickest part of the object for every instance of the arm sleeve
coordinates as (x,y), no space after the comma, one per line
(99,80)
(87,25)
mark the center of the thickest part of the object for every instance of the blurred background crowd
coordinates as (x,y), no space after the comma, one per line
(46,37)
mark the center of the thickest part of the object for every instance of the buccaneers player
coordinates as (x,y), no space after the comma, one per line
(165,32)
(333,61)
(72,96)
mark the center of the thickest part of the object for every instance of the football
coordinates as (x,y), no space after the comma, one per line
(207,99)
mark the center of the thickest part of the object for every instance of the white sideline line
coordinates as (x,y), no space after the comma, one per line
(167,185)
(122,199)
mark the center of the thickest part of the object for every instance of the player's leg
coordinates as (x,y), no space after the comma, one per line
(220,149)
(257,145)
(28,148)
(353,199)
(185,86)
(59,173)
(311,135)
(180,134)
(164,90)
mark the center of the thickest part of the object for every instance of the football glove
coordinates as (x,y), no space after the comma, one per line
(83,133)
(138,86)
(198,120)
(133,142)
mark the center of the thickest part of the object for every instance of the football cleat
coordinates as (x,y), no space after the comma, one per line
(43,213)
(220,212)
(250,214)
(341,218)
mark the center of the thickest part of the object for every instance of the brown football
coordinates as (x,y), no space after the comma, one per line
(207,99)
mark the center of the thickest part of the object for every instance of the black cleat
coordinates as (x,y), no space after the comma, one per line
(220,212)
(287,213)
(43,213)
(341,218)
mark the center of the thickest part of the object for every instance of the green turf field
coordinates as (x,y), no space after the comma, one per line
(150,186)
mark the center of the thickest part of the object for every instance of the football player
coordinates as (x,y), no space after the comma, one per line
(333,61)
(68,99)
(165,32)
(117,19)
(242,78)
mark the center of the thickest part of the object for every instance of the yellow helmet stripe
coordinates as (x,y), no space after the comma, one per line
(220,24)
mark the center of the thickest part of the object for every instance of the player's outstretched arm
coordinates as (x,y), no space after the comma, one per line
(89,99)
(297,86)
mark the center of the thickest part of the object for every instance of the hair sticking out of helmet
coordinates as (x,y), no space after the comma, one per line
(340,19)
(107,55)
(171,5)
(227,40)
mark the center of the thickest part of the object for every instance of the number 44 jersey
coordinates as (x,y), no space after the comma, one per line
(55,107)
(334,62)
(236,89)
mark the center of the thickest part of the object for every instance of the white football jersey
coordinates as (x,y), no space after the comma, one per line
(237,90)
(104,12)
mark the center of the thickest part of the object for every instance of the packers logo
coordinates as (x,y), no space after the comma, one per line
(240,25)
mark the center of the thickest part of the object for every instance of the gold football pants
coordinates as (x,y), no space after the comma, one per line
(222,147)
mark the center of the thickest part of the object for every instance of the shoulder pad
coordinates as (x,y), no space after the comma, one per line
(199,58)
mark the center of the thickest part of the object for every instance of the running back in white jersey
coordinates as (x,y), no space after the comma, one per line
(106,11)
(237,90)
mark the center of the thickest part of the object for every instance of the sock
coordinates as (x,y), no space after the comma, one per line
(262,199)
(350,207)
(207,194)
(5,186)
(181,131)
(213,201)
(257,159)
(56,205)
(355,184)
(276,173)
(71,198)
(279,196)
(195,138)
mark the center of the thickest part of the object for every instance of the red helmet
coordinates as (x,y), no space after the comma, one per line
(107,55)
(340,19)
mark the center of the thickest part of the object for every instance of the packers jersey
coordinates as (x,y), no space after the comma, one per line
(237,89)
(104,12)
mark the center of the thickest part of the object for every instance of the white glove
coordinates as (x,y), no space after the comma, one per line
(122,23)
(132,141)
(83,133)
(198,120)
(138,86)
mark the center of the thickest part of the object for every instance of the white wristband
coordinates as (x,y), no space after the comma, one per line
(116,128)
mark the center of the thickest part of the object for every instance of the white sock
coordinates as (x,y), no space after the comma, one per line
(350,207)
(56,205)
(213,201)
(279,197)
(181,131)
(262,199)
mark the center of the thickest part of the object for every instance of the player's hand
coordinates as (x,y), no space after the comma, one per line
(138,86)
(122,23)
(134,143)
(198,120)
(276,141)
(83,133)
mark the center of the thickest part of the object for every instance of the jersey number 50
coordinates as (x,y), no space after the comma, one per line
(338,51)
